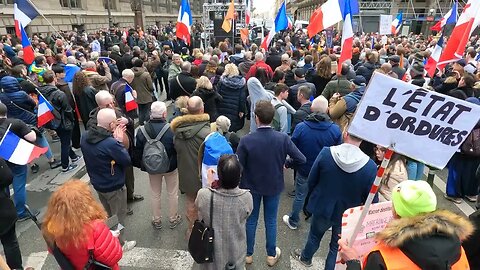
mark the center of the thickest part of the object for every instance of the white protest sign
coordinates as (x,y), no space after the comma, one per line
(385,25)
(378,216)
(420,124)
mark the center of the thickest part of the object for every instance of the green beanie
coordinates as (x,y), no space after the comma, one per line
(411,198)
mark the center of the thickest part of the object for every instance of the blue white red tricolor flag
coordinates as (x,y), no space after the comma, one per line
(466,24)
(23,14)
(248,11)
(328,14)
(397,23)
(28,53)
(432,61)
(347,37)
(45,111)
(17,150)
(184,21)
(281,23)
(449,18)
(130,103)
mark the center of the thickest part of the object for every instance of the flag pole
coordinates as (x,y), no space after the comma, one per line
(233,25)
(5,134)
(48,21)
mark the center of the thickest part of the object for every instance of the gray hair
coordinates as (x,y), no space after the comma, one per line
(258,56)
(157,110)
(128,73)
(320,104)
(71,60)
(186,67)
(90,64)
(223,124)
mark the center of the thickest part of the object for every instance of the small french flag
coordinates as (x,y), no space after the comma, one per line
(130,103)
(19,151)
(28,53)
(45,111)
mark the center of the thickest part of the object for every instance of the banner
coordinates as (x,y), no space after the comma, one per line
(420,124)
(385,25)
(378,216)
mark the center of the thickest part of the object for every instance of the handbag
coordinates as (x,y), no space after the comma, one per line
(200,244)
(93,264)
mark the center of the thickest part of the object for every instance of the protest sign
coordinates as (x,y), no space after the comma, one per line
(378,216)
(385,25)
(420,124)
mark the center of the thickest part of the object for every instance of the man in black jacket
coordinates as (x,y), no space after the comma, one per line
(274,58)
(115,55)
(183,84)
(64,115)
(303,96)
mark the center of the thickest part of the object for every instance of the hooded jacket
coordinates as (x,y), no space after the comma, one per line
(341,110)
(430,241)
(98,81)
(311,135)
(143,84)
(105,159)
(210,99)
(256,93)
(59,101)
(232,89)
(334,169)
(190,131)
(19,104)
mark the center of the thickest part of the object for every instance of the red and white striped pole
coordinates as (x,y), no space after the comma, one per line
(371,195)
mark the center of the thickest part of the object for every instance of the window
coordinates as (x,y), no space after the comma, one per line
(70,3)
(112,4)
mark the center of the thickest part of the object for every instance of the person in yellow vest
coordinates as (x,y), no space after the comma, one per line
(420,237)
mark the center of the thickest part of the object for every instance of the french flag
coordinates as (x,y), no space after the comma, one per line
(248,12)
(23,14)
(130,103)
(466,24)
(290,22)
(281,23)
(449,18)
(397,23)
(328,14)
(45,111)
(184,22)
(19,151)
(28,53)
(347,37)
(432,61)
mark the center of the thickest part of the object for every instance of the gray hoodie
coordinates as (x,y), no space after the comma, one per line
(349,157)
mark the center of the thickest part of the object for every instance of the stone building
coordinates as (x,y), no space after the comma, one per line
(92,15)
(419,15)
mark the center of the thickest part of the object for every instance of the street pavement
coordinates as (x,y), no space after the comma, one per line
(166,248)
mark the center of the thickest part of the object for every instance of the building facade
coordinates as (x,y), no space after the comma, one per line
(92,15)
(418,15)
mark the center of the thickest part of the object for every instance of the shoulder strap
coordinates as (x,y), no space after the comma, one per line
(211,209)
(278,105)
(145,133)
(181,86)
(162,132)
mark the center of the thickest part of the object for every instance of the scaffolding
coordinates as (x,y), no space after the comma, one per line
(219,9)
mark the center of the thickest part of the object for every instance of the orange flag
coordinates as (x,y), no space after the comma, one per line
(244,34)
(229,17)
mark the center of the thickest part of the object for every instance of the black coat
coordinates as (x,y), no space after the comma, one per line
(60,102)
(233,91)
(210,99)
(274,60)
(86,103)
(127,60)
(118,59)
(8,213)
(187,82)
(320,83)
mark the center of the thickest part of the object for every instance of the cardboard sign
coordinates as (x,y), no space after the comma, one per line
(378,216)
(385,25)
(420,124)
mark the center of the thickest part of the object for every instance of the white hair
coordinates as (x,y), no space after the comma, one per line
(90,64)
(157,110)
(319,104)
(71,60)
(223,124)
(128,73)
(258,56)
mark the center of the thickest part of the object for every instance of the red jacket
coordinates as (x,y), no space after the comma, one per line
(260,64)
(107,248)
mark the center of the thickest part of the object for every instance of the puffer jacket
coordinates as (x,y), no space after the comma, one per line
(234,94)
(106,248)
(366,70)
(19,104)
(143,84)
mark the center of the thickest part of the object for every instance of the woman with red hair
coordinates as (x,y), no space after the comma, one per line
(75,223)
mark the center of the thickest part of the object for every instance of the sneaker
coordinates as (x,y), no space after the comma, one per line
(156,224)
(271,261)
(453,199)
(471,198)
(26,216)
(35,168)
(291,194)
(128,245)
(249,259)
(286,220)
(55,164)
(77,158)
(69,168)
(297,255)
(176,222)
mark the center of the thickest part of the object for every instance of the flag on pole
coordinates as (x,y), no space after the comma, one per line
(229,17)
(244,35)
(45,111)
(290,22)
(347,37)
(397,23)
(23,14)
(466,24)
(17,150)
(130,103)
(432,61)
(449,18)
(281,23)
(28,53)
(248,11)
(328,14)
(184,21)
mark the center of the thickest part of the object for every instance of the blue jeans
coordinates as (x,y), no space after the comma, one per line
(66,146)
(301,191)
(42,142)
(270,211)
(317,229)
(19,189)
(415,170)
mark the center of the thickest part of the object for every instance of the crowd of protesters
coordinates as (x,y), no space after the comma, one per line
(291,100)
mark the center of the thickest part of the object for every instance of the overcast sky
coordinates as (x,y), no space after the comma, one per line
(263,5)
